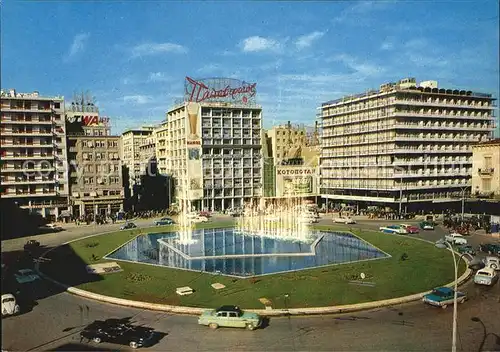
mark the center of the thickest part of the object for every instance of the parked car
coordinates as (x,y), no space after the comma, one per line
(490,248)
(426,225)
(344,220)
(230,316)
(410,228)
(128,225)
(486,276)
(465,248)
(307,218)
(443,296)
(164,221)
(393,229)
(455,238)
(24,276)
(200,219)
(205,214)
(119,333)
(492,262)
(9,305)
(31,245)
(54,227)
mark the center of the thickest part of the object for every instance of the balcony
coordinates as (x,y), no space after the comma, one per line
(488,171)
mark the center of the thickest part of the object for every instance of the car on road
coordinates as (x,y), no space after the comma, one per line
(443,296)
(128,225)
(492,262)
(486,276)
(118,333)
(343,220)
(490,248)
(307,218)
(31,245)
(9,305)
(466,249)
(426,225)
(410,228)
(230,316)
(164,221)
(54,227)
(200,219)
(397,229)
(455,238)
(24,276)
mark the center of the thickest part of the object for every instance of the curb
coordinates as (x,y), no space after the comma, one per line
(263,312)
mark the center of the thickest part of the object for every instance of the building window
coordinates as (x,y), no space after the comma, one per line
(487,162)
(487,185)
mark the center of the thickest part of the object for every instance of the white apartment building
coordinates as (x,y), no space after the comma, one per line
(33,152)
(161,142)
(132,139)
(214,146)
(406,143)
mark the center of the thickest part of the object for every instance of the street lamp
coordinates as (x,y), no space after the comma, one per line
(444,244)
(485,333)
(463,201)
(400,169)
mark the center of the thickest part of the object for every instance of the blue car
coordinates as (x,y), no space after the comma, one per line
(443,296)
(164,221)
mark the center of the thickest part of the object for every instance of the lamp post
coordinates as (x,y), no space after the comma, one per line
(444,244)
(485,333)
(463,201)
(400,169)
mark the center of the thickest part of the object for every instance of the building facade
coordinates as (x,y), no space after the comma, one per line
(95,173)
(131,142)
(161,144)
(405,144)
(486,169)
(291,164)
(33,152)
(214,148)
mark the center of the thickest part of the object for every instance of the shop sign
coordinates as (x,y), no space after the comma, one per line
(219,90)
(295,172)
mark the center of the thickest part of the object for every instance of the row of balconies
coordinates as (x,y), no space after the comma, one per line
(249,142)
(389,186)
(344,141)
(343,154)
(27,108)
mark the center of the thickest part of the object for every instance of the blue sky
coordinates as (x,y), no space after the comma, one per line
(133,56)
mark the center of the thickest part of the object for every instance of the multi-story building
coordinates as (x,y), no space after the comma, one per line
(486,169)
(33,152)
(404,144)
(147,150)
(290,163)
(95,173)
(161,142)
(214,145)
(132,139)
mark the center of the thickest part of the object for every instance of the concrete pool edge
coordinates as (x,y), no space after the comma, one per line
(265,312)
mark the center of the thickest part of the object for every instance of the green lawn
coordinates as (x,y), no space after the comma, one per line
(425,268)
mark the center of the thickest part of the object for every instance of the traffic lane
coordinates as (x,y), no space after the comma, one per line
(414,326)
(74,232)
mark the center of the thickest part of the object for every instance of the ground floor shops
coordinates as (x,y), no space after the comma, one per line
(101,206)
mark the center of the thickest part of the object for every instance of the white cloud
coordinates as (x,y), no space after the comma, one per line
(138,99)
(387,45)
(363,68)
(158,77)
(78,45)
(307,40)
(157,48)
(209,68)
(256,44)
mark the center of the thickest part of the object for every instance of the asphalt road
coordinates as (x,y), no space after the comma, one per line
(56,321)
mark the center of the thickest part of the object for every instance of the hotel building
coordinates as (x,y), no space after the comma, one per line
(214,147)
(95,173)
(486,169)
(405,144)
(33,152)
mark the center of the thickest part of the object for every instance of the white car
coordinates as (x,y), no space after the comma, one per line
(308,219)
(200,219)
(9,305)
(24,276)
(455,238)
(486,276)
(54,227)
(492,263)
(344,220)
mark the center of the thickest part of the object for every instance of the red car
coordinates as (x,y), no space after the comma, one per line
(205,214)
(410,228)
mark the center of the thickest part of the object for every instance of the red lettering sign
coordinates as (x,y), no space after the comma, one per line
(90,120)
(195,142)
(198,91)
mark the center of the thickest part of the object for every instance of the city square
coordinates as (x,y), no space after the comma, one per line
(322,176)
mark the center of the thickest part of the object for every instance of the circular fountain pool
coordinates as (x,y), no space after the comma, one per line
(234,252)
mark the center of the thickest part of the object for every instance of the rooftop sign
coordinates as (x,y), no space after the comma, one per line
(226,90)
